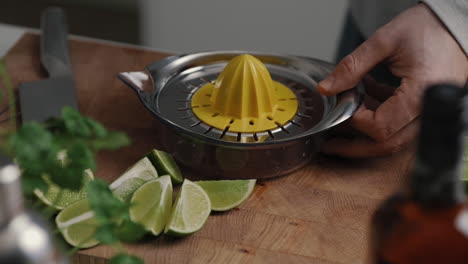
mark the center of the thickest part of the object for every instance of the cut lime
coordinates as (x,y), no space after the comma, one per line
(227,194)
(190,211)
(165,164)
(60,198)
(140,173)
(151,204)
(78,225)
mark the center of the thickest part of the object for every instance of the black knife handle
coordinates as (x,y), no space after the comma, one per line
(54,42)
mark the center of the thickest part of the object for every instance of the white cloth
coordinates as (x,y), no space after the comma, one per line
(369,15)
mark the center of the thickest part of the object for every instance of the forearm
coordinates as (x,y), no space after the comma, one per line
(454,15)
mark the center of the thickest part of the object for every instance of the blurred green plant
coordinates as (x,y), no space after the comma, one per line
(61,149)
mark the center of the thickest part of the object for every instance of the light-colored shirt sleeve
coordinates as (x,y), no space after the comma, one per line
(369,15)
(454,14)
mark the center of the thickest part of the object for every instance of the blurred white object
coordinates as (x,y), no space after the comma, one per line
(24,237)
(300,27)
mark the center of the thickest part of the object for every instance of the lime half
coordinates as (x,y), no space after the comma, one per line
(78,225)
(165,164)
(227,194)
(60,198)
(190,212)
(152,203)
(135,176)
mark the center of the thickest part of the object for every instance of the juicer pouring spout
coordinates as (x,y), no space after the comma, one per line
(140,82)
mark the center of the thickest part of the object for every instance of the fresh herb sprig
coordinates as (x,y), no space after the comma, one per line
(61,149)
(114,223)
(38,147)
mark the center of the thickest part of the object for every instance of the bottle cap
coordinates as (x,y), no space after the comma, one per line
(436,179)
(441,126)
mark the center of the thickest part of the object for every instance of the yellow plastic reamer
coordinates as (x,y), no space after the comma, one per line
(245,99)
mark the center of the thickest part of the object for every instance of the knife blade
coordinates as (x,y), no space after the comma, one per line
(41,100)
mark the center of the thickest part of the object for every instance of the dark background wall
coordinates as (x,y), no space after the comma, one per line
(106,19)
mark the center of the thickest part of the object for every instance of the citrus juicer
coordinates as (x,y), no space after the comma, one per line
(237,114)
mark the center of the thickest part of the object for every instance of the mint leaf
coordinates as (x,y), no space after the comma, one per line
(113,140)
(129,231)
(105,234)
(69,174)
(105,205)
(125,259)
(30,144)
(29,184)
(97,129)
(75,123)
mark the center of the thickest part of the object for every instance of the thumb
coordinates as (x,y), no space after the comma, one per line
(356,65)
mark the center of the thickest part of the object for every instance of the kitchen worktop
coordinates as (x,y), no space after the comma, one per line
(319,214)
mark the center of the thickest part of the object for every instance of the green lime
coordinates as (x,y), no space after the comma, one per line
(190,211)
(152,203)
(227,194)
(165,164)
(135,176)
(60,198)
(78,225)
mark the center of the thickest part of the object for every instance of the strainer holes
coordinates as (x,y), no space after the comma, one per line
(232,121)
(186,117)
(224,131)
(303,116)
(293,99)
(296,123)
(208,130)
(282,99)
(208,95)
(281,109)
(270,134)
(215,115)
(184,108)
(282,127)
(196,124)
(255,136)
(239,136)
(251,122)
(206,105)
(205,80)
(270,118)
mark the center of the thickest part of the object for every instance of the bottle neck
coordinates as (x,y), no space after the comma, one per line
(436,188)
(436,179)
(11,197)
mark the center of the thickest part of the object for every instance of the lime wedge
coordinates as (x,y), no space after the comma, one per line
(227,194)
(78,225)
(165,164)
(191,209)
(135,176)
(59,198)
(151,204)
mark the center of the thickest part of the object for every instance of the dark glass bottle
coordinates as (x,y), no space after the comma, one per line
(428,222)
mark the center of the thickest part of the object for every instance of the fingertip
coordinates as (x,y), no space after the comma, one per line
(325,87)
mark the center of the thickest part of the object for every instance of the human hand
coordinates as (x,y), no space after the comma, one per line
(417,48)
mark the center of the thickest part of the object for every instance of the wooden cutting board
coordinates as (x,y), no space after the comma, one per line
(319,214)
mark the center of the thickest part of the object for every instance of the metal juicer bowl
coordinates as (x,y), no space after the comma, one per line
(166,87)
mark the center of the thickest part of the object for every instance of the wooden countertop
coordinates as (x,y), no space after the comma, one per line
(319,214)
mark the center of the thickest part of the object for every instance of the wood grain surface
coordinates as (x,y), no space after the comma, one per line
(319,214)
